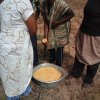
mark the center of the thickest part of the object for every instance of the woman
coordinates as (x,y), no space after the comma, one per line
(17,21)
(56,14)
(88,43)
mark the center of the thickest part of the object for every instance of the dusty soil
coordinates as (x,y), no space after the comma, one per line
(68,89)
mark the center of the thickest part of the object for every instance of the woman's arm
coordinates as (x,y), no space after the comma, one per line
(46,30)
(66,17)
(46,26)
(31,24)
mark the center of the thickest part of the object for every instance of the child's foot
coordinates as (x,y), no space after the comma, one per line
(86,86)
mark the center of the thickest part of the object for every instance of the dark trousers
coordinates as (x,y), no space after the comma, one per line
(90,73)
(56,56)
(34,44)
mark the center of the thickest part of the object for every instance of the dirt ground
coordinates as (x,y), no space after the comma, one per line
(68,89)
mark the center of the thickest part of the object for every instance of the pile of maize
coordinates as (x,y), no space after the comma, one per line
(47,74)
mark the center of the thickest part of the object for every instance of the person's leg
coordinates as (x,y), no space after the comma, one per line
(59,56)
(52,55)
(77,69)
(91,72)
(34,44)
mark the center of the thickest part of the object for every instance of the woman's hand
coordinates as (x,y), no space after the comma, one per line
(44,41)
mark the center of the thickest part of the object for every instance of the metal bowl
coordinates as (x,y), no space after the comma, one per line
(53,83)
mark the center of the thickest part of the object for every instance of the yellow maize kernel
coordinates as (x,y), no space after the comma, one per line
(47,74)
